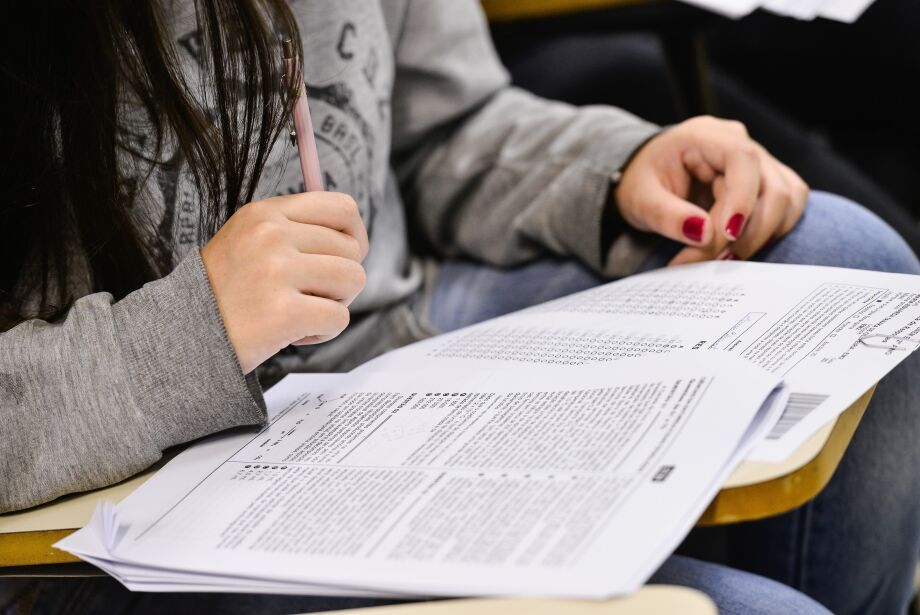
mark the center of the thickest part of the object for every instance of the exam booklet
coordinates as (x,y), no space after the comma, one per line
(498,480)
(829,333)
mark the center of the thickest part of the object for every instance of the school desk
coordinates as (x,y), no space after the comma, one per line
(507,10)
(754,491)
(650,600)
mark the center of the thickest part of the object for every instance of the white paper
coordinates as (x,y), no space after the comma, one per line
(840,10)
(799,9)
(847,11)
(803,324)
(526,480)
(734,9)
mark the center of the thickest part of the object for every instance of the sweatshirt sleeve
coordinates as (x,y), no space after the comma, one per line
(95,398)
(492,172)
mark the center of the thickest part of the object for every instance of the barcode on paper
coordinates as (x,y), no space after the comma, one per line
(799,406)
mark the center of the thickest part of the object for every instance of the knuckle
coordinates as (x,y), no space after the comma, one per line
(349,207)
(360,277)
(353,274)
(245,216)
(280,306)
(274,266)
(698,124)
(704,119)
(339,316)
(779,195)
(737,126)
(748,149)
(355,251)
(267,232)
(256,210)
(784,193)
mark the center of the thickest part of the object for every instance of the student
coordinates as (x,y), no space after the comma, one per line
(148,270)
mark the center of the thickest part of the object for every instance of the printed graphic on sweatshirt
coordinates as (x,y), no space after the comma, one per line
(349,75)
(349,80)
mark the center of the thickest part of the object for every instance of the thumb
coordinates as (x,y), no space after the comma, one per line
(663,212)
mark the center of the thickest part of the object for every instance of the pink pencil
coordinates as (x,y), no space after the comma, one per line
(302,132)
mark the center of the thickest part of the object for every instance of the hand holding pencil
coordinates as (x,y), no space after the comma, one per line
(284,270)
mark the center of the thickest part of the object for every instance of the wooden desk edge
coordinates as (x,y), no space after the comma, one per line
(503,10)
(650,599)
(32,548)
(784,493)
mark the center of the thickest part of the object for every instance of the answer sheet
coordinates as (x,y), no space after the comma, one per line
(521,480)
(829,333)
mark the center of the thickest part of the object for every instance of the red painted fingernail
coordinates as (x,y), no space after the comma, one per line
(693,228)
(733,228)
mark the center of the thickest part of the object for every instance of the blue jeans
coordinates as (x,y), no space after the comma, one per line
(854,547)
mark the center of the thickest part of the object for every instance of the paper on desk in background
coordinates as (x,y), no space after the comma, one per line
(521,480)
(802,323)
(735,9)
(839,10)
(844,10)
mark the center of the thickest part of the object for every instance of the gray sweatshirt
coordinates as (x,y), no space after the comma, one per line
(415,118)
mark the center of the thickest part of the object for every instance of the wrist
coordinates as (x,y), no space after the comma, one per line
(612,223)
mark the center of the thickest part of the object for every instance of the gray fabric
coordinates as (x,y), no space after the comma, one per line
(409,101)
(490,171)
(96,398)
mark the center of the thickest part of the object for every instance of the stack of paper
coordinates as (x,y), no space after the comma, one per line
(564,450)
(534,481)
(846,11)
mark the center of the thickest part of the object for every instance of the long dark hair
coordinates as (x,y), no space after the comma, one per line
(67,69)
